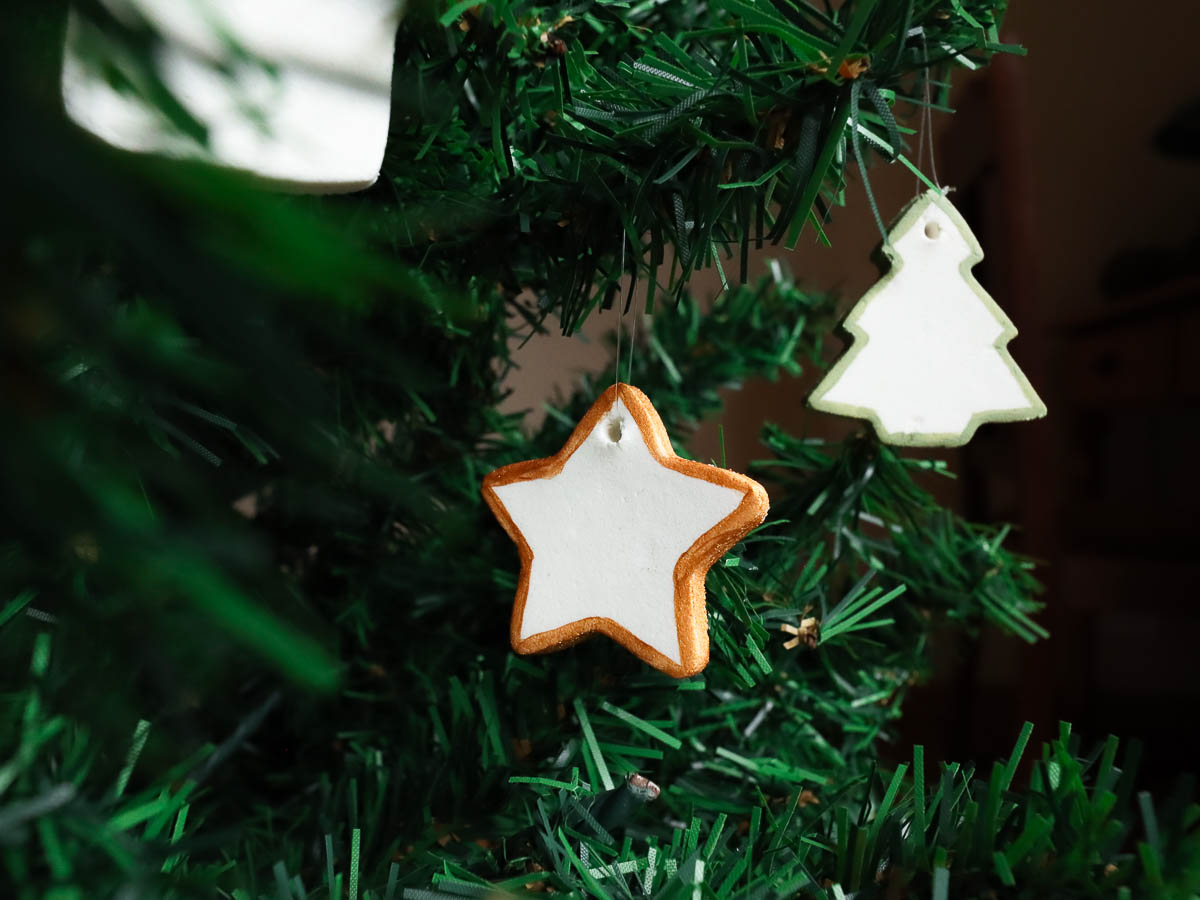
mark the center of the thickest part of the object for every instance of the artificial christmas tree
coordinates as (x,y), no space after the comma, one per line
(255,611)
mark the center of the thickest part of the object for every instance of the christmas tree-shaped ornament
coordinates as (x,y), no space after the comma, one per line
(929,362)
(616,534)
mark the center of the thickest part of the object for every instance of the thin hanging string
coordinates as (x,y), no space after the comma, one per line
(921,127)
(927,114)
(632,340)
(855,93)
(620,315)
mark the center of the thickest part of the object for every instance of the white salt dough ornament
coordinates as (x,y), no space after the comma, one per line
(929,362)
(297,92)
(616,533)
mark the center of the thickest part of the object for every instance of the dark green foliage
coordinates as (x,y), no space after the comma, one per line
(558,146)
(254,614)
(1077,831)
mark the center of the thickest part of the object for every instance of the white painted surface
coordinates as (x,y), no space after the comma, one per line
(306,103)
(607,531)
(933,356)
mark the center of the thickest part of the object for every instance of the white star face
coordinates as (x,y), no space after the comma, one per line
(618,534)
(607,531)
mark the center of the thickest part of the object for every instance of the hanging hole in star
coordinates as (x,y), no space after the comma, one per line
(614,430)
(932,230)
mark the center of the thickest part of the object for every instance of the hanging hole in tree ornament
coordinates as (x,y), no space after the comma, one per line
(932,230)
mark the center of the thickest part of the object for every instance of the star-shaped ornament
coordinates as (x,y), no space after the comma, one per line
(616,534)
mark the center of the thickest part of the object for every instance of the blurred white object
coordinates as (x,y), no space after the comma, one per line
(295,91)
